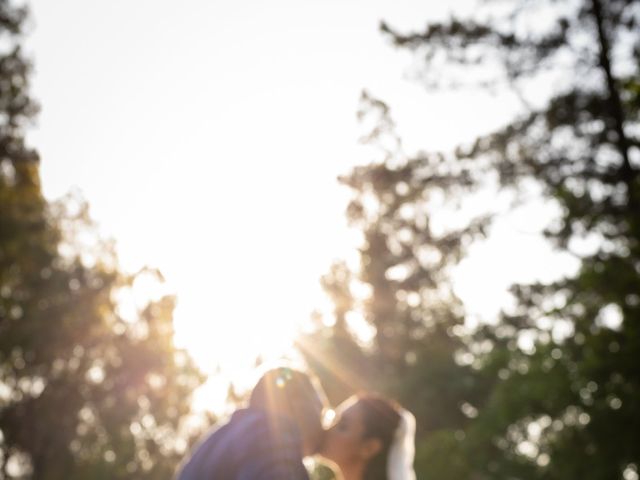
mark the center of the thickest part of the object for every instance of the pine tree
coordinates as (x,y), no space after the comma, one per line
(567,407)
(401,292)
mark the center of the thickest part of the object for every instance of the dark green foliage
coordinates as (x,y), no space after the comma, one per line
(566,408)
(551,389)
(401,289)
(83,393)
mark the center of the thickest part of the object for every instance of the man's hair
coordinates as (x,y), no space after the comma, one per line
(283,390)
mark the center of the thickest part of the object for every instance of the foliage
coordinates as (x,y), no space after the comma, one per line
(400,291)
(84,393)
(550,389)
(567,406)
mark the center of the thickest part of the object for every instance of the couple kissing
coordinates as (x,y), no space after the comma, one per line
(370,437)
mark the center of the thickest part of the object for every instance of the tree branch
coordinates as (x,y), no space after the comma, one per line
(627,171)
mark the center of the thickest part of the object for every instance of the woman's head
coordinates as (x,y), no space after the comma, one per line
(362,434)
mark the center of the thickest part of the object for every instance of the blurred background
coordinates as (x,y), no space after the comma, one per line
(437,201)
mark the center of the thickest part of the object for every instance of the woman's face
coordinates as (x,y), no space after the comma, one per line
(344,442)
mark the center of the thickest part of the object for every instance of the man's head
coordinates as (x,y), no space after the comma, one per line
(289,393)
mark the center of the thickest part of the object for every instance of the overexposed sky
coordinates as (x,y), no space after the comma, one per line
(207,136)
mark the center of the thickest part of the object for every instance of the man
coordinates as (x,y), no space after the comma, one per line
(267,440)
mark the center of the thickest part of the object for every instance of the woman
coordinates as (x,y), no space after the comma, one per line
(371,438)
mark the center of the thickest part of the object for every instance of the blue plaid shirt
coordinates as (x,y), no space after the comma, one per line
(251,446)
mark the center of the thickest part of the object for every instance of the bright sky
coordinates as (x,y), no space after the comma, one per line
(207,136)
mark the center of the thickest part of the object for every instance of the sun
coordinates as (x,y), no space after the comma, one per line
(228,343)
(228,326)
(234,333)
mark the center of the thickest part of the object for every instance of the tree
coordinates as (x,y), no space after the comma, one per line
(400,295)
(566,406)
(84,393)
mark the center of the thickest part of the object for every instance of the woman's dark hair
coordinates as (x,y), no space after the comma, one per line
(381,418)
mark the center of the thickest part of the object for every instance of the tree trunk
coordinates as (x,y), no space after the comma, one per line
(627,172)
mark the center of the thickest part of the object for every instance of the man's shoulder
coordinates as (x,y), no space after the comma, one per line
(251,440)
(265,432)
(217,450)
(274,451)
